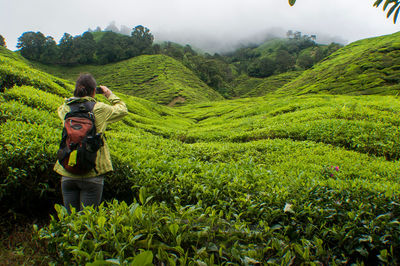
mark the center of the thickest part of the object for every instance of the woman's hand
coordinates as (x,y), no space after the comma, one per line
(106,91)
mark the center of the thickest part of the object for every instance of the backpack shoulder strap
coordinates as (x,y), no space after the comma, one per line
(90,105)
(82,109)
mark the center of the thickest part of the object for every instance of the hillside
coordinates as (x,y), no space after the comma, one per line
(158,78)
(274,63)
(16,71)
(370,66)
(245,86)
(310,179)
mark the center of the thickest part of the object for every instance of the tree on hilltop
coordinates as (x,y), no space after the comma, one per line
(49,54)
(109,48)
(284,61)
(142,39)
(85,48)
(2,41)
(31,45)
(67,52)
(262,67)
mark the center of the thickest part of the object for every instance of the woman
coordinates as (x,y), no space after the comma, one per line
(86,189)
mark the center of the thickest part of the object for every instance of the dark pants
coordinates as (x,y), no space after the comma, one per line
(79,193)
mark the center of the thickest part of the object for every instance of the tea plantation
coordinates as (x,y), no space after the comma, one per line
(158,78)
(369,66)
(311,179)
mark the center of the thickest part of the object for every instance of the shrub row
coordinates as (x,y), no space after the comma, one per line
(267,201)
(321,225)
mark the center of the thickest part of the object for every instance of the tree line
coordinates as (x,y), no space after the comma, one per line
(295,53)
(213,70)
(85,49)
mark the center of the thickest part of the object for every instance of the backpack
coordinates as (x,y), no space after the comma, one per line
(80,141)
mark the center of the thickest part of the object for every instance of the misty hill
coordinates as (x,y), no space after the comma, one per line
(180,73)
(369,66)
(275,62)
(158,78)
(218,71)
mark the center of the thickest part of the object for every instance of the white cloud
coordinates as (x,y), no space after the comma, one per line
(223,21)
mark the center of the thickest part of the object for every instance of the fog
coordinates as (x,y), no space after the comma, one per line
(211,25)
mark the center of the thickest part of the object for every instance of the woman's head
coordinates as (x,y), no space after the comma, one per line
(85,86)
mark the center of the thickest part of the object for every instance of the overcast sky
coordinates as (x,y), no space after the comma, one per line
(208,24)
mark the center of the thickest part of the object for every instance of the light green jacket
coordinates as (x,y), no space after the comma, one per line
(104,114)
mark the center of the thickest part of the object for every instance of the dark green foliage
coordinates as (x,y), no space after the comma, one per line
(114,47)
(85,48)
(305,60)
(212,70)
(50,51)
(279,56)
(32,45)
(2,41)
(103,47)
(275,59)
(67,51)
(243,57)
(262,68)
(142,40)
(110,48)
(284,61)
(309,57)
(173,50)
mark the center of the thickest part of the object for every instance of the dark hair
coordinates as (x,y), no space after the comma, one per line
(85,85)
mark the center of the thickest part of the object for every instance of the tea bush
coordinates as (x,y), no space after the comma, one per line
(14,72)
(157,78)
(364,67)
(357,124)
(320,225)
(278,180)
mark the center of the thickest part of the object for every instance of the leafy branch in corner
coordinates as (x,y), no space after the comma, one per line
(395,7)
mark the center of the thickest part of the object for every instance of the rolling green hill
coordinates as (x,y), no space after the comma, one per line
(16,71)
(269,48)
(274,63)
(158,78)
(245,86)
(370,66)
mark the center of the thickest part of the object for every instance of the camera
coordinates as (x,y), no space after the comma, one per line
(99,90)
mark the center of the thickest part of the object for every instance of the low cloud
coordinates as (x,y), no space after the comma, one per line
(211,25)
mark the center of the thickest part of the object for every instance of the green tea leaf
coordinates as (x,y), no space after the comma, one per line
(143,259)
